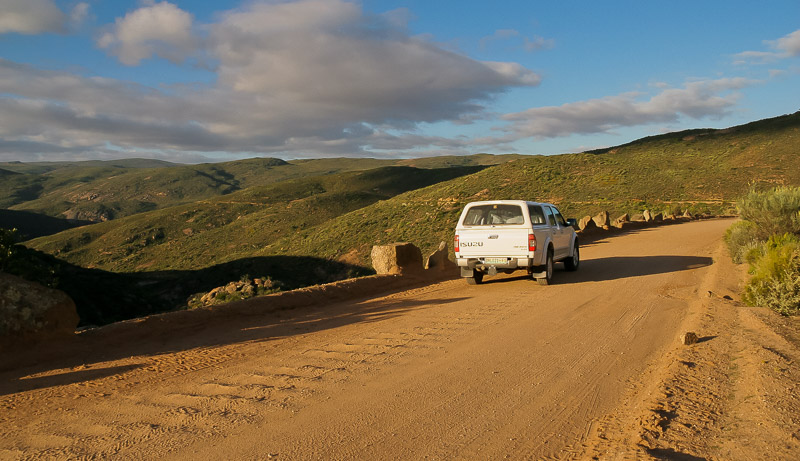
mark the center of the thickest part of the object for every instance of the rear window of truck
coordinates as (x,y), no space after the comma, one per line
(493,215)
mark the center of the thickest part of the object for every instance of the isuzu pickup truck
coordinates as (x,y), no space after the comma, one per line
(511,235)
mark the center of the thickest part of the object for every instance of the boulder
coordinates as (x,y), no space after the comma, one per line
(689,338)
(586,224)
(601,220)
(638,217)
(686,214)
(30,311)
(619,222)
(396,258)
(658,218)
(647,216)
(439,259)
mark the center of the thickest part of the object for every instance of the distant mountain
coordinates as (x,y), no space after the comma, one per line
(44,167)
(104,190)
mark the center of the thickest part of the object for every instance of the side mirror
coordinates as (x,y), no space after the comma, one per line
(572,222)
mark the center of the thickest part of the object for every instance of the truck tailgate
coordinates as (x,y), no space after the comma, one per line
(493,241)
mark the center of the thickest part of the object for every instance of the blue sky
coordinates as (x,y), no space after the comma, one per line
(208,81)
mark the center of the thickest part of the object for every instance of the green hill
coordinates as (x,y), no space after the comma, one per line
(237,225)
(103,190)
(114,189)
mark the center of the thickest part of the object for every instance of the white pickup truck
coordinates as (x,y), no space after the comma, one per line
(510,235)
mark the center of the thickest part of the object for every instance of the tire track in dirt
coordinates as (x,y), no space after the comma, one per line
(188,410)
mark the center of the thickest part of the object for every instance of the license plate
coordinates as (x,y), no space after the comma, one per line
(495,260)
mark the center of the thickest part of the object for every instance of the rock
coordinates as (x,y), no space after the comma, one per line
(439,259)
(686,214)
(396,258)
(637,218)
(658,218)
(30,311)
(586,224)
(647,216)
(601,220)
(619,222)
(688,338)
(231,288)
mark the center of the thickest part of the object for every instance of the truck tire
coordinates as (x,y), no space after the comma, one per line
(571,264)
(548,269)
(476,279)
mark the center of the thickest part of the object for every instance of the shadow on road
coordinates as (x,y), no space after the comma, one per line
(617,267)
(83,352)
(620,267)
(62,379)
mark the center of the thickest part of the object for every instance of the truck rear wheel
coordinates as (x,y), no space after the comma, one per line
(548,270)
(476,279)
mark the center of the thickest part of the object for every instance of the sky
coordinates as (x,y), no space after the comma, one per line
(190,81)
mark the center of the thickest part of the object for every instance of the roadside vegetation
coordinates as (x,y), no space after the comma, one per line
(768,239)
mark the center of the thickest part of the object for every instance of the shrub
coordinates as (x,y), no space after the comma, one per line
(774,212)
(775,281)
(742,237)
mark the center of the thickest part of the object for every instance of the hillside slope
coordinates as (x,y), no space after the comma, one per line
(103,190)
(699,170)
(237,225)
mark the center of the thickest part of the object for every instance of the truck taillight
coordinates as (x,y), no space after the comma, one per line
(531,242)
(455,244)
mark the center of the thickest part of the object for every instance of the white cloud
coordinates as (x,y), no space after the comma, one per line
(327,58)
(756,57)
(79,13)
(790,44)
(697,100)
(785,47)
(30,17)
(538,43)
(313,77)
(160,29)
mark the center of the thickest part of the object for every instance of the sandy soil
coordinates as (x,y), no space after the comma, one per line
(590,367)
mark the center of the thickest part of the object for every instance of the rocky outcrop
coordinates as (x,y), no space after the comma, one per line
(587,224)
(601,220)
(396,258)
(621,221)
(235,291)
(439,260)
(32,312)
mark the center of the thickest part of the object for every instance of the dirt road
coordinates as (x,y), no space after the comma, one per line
(503,369)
